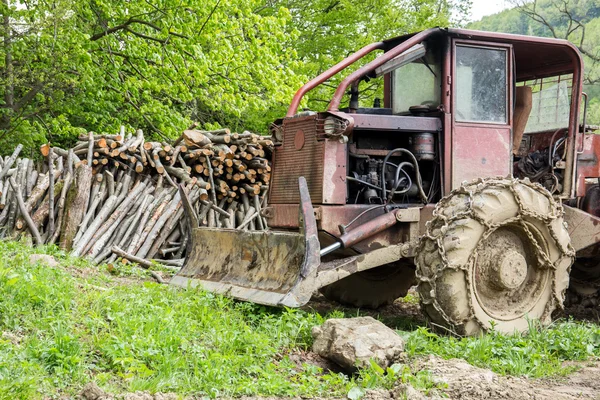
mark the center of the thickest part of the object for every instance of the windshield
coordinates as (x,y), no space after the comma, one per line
(417,83)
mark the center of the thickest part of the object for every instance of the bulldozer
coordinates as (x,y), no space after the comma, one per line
(473,174)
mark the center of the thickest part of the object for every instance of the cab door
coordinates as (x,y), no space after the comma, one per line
(481,110)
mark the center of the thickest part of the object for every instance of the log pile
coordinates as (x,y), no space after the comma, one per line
(122,196)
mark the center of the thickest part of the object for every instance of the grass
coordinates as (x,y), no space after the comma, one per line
(63,327)
(538,353)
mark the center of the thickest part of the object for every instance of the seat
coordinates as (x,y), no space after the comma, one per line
(523,103)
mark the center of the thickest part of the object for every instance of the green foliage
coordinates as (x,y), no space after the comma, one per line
(539,353)
(330,30)
(69,66)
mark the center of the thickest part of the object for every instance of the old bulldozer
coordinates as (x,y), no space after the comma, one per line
(472,174)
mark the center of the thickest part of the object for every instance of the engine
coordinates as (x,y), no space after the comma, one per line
(393,168)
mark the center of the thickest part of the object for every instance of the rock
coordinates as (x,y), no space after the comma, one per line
(43,259)
(148,396)
(408,392)
(91,391)
(352,342)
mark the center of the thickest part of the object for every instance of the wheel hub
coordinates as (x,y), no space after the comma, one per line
(507,275)
(509,270)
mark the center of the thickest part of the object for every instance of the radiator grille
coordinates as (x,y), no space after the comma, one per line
(289,163)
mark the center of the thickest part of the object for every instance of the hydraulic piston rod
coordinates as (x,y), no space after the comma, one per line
(363,232)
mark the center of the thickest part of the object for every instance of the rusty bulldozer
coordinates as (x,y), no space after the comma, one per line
(471,175)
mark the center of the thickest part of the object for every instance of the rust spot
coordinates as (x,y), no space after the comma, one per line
(299,140)
(247,255)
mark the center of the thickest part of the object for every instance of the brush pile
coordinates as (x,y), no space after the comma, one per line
(120,196)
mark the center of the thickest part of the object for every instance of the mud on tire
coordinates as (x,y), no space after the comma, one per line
(496,253)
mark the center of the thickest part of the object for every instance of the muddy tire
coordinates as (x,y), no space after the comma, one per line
(496,254)
(372,288)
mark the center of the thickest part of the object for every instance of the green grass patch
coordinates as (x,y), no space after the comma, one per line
(538,353)
(61,328)
(58,332)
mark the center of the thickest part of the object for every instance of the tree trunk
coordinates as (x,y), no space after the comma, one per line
(75,206)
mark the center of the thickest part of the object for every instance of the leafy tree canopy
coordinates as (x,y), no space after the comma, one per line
(75,65)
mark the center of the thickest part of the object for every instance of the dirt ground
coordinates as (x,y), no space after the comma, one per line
(467,382)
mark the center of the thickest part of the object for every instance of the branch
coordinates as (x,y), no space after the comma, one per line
(125,26)
(28,97)
(209,17)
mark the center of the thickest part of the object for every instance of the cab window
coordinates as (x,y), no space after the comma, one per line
(417,83)
(480,85)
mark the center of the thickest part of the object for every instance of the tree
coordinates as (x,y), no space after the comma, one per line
(330,30)
(97,64)
(76,65)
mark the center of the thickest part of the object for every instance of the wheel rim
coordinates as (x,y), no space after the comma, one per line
(508,275)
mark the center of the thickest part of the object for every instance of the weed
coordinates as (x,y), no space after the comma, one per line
(539,352)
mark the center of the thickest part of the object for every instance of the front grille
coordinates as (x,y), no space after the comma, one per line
(289,163)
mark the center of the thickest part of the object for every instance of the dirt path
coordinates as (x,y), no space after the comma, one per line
(467,382)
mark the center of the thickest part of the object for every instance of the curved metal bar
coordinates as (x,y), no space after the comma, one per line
(339,93)
(329,73)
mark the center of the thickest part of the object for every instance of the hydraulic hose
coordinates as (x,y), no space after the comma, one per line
(417,173)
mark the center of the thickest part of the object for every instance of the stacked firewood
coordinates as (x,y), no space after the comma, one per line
(121,196)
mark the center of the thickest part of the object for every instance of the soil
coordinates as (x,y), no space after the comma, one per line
(457,379)
(463,380)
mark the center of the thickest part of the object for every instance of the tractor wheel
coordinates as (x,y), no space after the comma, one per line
(373,288)
(495,255)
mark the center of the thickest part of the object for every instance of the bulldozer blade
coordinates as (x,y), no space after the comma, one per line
(265,267)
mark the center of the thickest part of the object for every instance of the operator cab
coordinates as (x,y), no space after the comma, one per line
(504,106)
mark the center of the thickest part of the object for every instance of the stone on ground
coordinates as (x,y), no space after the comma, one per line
(43,259)
(352,342)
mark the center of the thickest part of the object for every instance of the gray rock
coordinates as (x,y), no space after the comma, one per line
(352,342)
(406,391)
(43,259)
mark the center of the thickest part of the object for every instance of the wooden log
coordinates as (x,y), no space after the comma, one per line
(24,212)
(157,163)
(75,205)
(169,211)
(175,262)
(136,218)
(149,225)
(256,204)
(90,153)
(37,194)
(140,261)
(90,214)
(41,213)
(139,139)
(8,164)
(81,244)
(61,205)
(185,233)
(99,239)
(195,139)
(51,193)
(95,137)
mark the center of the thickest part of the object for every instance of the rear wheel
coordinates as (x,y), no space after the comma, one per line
(496,254)
(373,288)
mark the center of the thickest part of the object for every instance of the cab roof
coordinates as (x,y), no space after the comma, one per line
(535,57)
